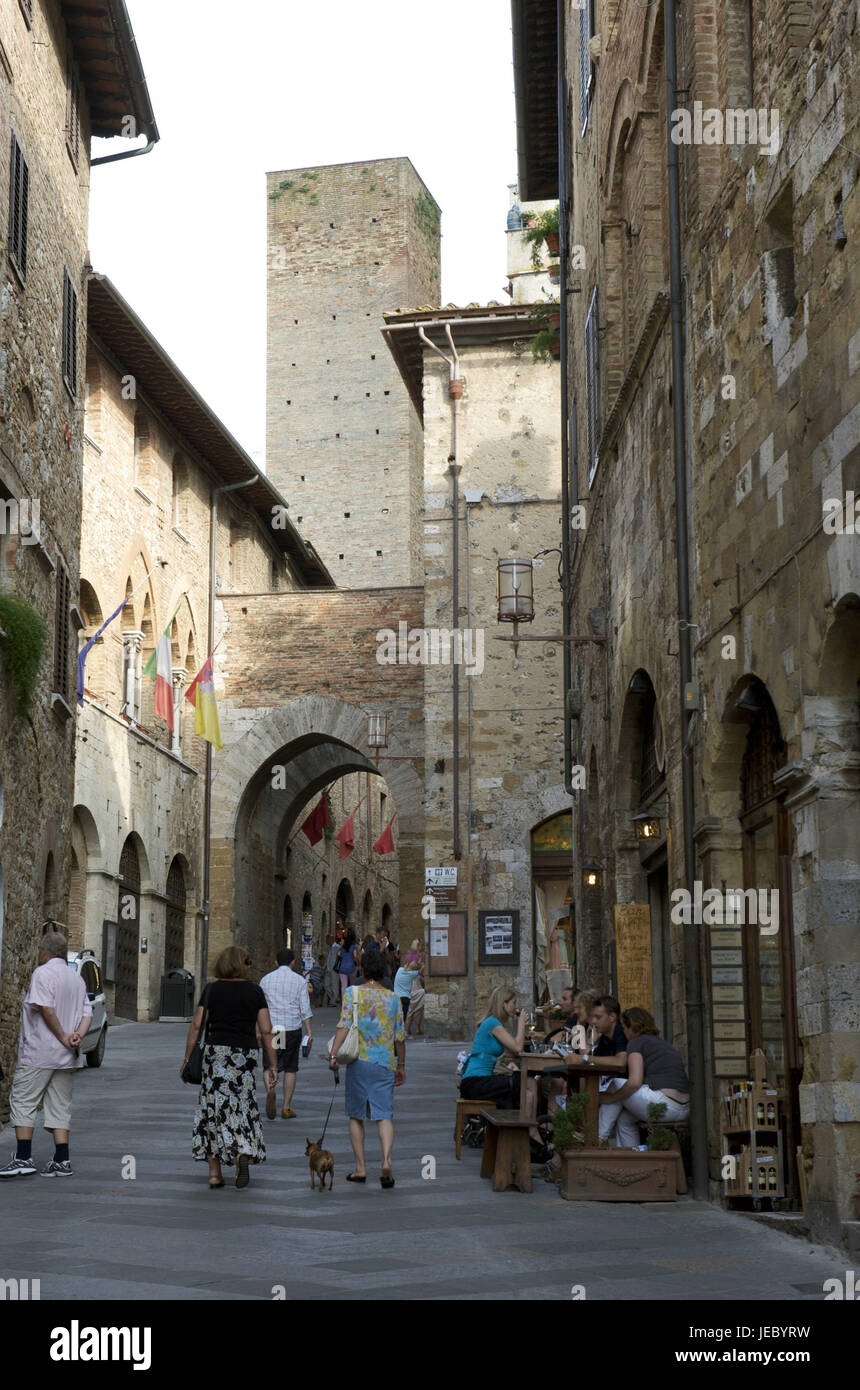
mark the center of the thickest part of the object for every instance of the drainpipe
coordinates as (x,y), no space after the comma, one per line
(210,643)
(692,972)
(124,154)
(455,393)
(567,653)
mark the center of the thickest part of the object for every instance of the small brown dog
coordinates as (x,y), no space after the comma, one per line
(321,1162)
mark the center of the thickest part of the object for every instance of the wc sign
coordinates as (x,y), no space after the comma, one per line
(440,883)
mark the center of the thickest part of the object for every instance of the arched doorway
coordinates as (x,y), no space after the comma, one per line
(287,931)
(305,947)
(367,924)
(771,991)
(345,904)
(552,906)
(174,935)
(128,931)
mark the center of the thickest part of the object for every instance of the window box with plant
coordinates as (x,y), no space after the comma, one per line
(542,228)
(605,1174)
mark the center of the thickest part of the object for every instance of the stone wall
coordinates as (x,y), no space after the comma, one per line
(345,243)
(511,775)
(40,460)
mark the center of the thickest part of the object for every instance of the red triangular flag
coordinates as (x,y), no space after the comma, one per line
(317,821)
(385,843)
(346,837)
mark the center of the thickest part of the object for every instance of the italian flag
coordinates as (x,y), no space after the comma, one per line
(160,669)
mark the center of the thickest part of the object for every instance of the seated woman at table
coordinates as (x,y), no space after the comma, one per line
(492,1039)
(578,1008)
(655,1076)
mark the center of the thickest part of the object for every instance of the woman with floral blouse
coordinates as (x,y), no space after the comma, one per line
(381,1063)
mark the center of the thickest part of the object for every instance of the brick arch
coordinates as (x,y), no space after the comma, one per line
(320,734)
(136,565)
(623,114)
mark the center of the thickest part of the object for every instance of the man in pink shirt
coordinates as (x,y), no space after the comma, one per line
(53,1026)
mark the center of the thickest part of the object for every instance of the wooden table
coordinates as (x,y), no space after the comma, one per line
(533,1063)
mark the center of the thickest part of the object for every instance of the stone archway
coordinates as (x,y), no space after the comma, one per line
(264,776)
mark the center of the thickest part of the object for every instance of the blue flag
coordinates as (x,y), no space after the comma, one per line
(82,655)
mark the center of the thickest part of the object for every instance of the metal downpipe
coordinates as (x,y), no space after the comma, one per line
(692,972)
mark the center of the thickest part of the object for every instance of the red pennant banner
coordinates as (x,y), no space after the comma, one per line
(346,837)
(317,821)
(385,843)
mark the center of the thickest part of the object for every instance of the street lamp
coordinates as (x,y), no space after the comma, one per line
(647,825)
(591,875)
(377,732)
(516,594)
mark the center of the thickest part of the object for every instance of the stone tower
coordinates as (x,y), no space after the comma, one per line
(345,243)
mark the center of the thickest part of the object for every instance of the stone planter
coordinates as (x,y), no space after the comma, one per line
(618,1175)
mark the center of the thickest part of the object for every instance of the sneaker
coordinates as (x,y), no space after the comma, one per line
(57,1170)
(18,1168)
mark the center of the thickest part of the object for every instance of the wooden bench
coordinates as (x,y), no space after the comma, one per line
(465,1109)
(507,1152)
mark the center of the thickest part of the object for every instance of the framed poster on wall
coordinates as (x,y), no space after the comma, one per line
(499,938)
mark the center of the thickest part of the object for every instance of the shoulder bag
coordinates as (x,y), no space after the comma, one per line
(348,1050)
(192,1072)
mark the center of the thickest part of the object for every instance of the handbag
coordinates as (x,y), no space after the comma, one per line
(192,1072)
(348,1050)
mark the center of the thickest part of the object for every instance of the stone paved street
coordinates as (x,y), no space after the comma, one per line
(166,1236)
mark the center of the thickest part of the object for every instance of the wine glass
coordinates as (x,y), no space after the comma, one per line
(590,1041)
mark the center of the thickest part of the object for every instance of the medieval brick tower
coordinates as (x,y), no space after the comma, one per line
(345,243)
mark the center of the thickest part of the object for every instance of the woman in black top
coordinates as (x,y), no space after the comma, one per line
(227,1127)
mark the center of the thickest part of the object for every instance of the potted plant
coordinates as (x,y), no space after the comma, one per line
(546,345)
(605,1174)
(542,228)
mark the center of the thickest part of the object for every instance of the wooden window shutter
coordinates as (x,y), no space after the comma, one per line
(70,335)
(586,67)
(61,634)
(27,11)
(19,204)
(592,380)
(73,113)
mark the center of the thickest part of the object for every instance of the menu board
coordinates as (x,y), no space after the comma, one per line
(633,955)
(447,939)
(728,1008)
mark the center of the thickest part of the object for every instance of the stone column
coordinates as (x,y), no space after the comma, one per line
(180,675)
(132,645)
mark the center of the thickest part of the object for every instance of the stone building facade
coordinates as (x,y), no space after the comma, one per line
(60,84)
(155,459)
(770,395)
(509,777)
(345,243)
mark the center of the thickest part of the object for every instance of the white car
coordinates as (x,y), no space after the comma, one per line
(85,963)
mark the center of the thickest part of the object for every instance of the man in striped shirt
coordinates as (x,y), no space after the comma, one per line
(290,1009)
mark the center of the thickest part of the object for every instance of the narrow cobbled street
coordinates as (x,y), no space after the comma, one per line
(163,1235)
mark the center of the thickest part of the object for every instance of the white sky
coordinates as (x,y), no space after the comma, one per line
(240,89)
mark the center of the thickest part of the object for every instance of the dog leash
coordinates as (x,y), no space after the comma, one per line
(328,1116)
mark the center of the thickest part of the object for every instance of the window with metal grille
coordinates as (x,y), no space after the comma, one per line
(73,113)
(61,634)
(19,202)
(765,753)
(592,382)
(27,11)
(586,66)
(70,335)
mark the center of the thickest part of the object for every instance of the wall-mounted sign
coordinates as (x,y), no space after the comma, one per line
(441,883)
(633,955)
(447,933)
(109,931)
(499,938)
(728,1011)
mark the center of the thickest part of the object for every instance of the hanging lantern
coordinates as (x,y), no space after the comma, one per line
(647,826)
(591,875)
(377,730)
(516,593)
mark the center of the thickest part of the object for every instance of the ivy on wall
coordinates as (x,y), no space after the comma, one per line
(21,649)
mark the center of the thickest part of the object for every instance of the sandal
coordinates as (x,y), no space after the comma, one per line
(386,1180)
(217,1182)
(356,1177)
(551,1174)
